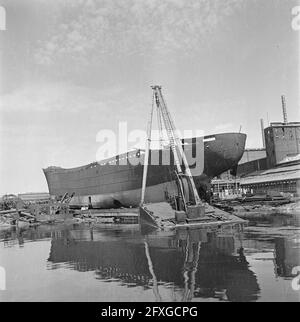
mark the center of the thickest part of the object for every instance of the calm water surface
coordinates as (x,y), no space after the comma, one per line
(131,263)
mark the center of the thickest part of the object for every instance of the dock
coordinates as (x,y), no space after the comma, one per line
(120,215)
(162,216)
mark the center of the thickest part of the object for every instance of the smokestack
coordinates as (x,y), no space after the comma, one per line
(263,133)
(285,120)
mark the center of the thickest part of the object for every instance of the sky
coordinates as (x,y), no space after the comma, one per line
(72,68)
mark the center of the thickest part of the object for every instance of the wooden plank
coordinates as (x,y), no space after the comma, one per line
(10,211)
(117,215)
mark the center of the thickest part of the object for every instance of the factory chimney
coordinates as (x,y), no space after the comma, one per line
(285,121)
(263,133)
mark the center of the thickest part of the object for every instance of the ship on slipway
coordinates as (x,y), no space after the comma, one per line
(117,182)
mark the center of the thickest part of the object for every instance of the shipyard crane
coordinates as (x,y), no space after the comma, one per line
(175,142)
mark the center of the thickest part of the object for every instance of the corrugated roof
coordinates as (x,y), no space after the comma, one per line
(287,168)
(291,172)
(290,159)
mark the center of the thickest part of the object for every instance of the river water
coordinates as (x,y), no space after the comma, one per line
(133,263)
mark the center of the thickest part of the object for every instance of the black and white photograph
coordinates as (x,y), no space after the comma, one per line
(149,153)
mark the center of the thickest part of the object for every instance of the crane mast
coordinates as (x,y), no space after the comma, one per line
(164,117)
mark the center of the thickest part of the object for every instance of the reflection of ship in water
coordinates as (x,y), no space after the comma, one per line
(287,255)
(199,263)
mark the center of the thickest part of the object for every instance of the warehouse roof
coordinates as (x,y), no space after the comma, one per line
(282,173)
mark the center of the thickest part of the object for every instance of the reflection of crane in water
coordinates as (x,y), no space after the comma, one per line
(180,265)
(151,270)
(191,253)
(192,250)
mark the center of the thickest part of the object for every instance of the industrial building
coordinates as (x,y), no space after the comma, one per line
(282,141)
(252,160)
(226,188)
(273,168)
(284,178)
(253,155)
(34,196)
(228,185)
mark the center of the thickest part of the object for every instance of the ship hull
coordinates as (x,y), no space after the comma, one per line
(117,183)
(126,198)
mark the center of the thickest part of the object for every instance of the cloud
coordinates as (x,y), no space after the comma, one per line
(223,127)
(61,96)
(87,31)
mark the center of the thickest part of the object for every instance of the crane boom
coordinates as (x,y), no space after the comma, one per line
(146,157)
(175,142)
